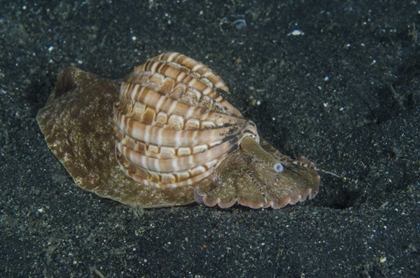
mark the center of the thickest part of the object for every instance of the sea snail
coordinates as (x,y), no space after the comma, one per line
(173,135)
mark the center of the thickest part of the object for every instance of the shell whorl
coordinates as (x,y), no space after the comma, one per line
(172,127)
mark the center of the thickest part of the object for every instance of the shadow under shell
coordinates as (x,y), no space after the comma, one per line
(77,122)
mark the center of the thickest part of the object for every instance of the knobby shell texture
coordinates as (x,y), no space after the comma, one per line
(77,122)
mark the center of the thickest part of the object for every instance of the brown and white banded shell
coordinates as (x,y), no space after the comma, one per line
(175,138)
(172,127)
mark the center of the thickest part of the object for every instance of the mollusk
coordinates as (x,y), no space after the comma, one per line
(173,135)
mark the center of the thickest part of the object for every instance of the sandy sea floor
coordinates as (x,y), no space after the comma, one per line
(336,81)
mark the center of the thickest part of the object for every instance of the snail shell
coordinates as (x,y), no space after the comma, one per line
(172,127)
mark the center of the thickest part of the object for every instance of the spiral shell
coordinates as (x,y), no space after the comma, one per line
(172,127)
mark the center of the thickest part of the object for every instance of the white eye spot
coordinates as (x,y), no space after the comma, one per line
(278,168)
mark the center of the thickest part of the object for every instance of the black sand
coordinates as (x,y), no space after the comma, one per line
(344,93)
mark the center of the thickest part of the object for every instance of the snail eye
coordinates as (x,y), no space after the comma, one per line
(278,168)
